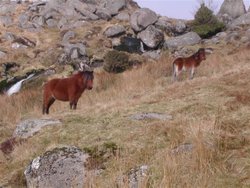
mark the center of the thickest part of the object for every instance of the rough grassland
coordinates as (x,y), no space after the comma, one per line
(212,112)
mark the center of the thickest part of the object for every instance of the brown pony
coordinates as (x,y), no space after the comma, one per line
(67,89)
(190,62)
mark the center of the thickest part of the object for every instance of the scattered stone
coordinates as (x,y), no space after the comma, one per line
(137,175)
(114,30)
(145,116)
(68,35)
(23,42)
(6,21)
(155,54)
(183,148)
(61,167)
(28,128)
(2,54)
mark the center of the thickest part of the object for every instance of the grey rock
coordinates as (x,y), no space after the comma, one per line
(155,54)
(232,37)
(6,21)
(23,19)
(190,38)
(51,23)
(145,116)
(103,13)
(114,30)
(115,5)
(184,148)
(2,54)
(170,26)
(245,39)
(68,35)
(233,8)
(7,8)
(242,20)
(61,167)
(9,36)
(142,18)
(38,20)
(123,16)
(70,48)
(28,128)
(62,23)
(180,26)
(137,175)
(151,36)
(221,35)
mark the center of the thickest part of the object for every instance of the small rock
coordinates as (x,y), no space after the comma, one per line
(123,16)
(114,30)
(145,116)
(184,148)
(28,128)
(61,167)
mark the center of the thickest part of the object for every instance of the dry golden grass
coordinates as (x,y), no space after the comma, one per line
(211,112)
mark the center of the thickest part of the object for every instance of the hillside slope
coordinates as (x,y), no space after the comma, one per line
(211,113)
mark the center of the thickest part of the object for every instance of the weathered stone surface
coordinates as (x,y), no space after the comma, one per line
(155,54)
(184,148)
(142,18)
(145,116)
(115,5)
(151,36)
(68,35)
(103,13)
(190,38)
(6,8)
(2,54)
(242,20)
(28,128)
(233,8)
(6,20)
(114,30)
(137,175)
(123,16)
(69,49)
(61,167)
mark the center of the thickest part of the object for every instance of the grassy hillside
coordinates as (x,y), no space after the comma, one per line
(212,112)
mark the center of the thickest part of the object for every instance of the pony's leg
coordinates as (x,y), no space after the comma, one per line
(175,72)
(191,73)
(50,102)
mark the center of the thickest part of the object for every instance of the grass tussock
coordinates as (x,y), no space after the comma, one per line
(210,112)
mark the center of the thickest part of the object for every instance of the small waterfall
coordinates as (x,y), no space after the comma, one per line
(17,86)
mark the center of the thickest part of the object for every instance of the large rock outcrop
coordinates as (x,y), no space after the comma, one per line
(61,167)
(142,18)
(242,20)
(233,8)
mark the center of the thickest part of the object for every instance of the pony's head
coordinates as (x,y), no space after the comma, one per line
(202,54)
(88,75)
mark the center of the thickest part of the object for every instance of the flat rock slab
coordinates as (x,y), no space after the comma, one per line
(28,128)
(61,167)
(145,116)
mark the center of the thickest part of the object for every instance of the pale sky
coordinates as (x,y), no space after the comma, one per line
(183,9)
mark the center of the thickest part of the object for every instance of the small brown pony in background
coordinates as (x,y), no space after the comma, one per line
(68,89)
(191,62)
